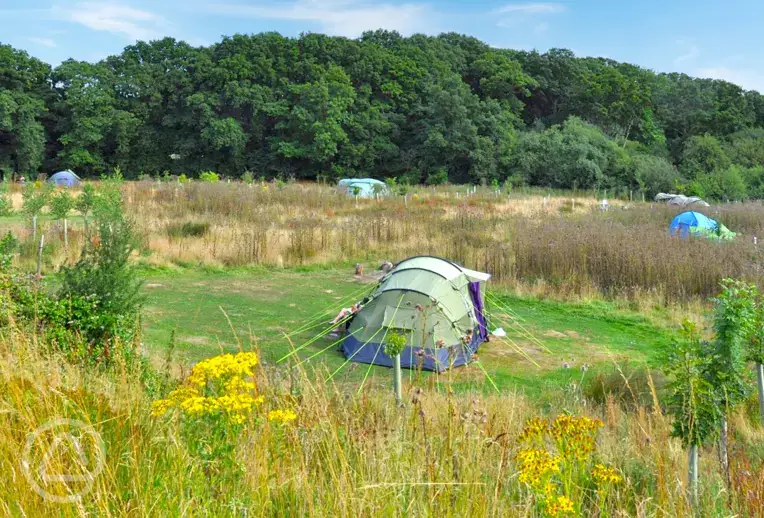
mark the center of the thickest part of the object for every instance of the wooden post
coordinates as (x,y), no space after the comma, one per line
(760,384)
(692,475)
(66,235)
(397,381)
(34,228)
(723,451)
(39,255)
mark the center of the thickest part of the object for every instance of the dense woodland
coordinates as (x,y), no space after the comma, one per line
(421,109)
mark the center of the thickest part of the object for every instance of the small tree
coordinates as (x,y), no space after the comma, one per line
(378,189)
(85,202)
(692,400)
(392,184)
(104,285)
(437,177)
(394,345)
(755,354)
(34,201)
(6,206)
(61,204)
(734,318)
(209,177)
(108,204)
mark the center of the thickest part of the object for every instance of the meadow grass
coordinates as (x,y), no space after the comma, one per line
(346,454)
(550,344)
(227,268)
(560,246)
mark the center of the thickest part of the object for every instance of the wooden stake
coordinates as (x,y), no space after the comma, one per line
(397,380)
(760,384)
(39,255)
(692,475)
(724,450)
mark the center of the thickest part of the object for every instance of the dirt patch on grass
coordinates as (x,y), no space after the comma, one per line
(555,334)
(196,340)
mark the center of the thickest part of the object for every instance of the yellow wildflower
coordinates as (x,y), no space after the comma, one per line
(536,466)
(559,506)
(281,416)
(605,475)
(534,430)
(216,385)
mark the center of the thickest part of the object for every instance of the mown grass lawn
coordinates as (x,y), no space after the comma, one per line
(549,344)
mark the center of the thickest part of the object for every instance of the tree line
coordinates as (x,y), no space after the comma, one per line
(420,109)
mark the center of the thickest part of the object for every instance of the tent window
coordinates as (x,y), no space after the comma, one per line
(405,318)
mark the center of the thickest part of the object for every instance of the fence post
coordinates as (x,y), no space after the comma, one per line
(34,228)
(66,235)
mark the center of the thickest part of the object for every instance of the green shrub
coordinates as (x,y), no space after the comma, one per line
(188,229)
(85,201)
(6,206)
(183,179)
(248,177)
(438,177)
(8,247)
(61,204)
(209,177)
(34,199)
(102,290)
(629,386)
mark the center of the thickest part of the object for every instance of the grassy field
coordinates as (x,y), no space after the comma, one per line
(549,343)
(588,299)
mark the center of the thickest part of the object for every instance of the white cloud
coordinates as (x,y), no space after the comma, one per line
(532,8)
(521,14)
(45,42)
(133,24)
(691,52)
(339,17)
(747,78)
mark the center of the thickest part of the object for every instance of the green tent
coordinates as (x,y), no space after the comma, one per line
(436,304)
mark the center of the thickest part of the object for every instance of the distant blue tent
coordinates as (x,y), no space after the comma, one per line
(367,187)
(64,179)
(697,224)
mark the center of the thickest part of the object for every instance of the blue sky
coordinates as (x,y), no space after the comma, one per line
(708,38)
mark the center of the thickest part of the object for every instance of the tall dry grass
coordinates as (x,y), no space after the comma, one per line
(566,244)
(347,454)
(558,246)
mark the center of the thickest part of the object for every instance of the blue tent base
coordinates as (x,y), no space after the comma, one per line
(439,360)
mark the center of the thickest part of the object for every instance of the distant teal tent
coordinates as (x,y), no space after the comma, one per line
(364,187)
(697,224)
